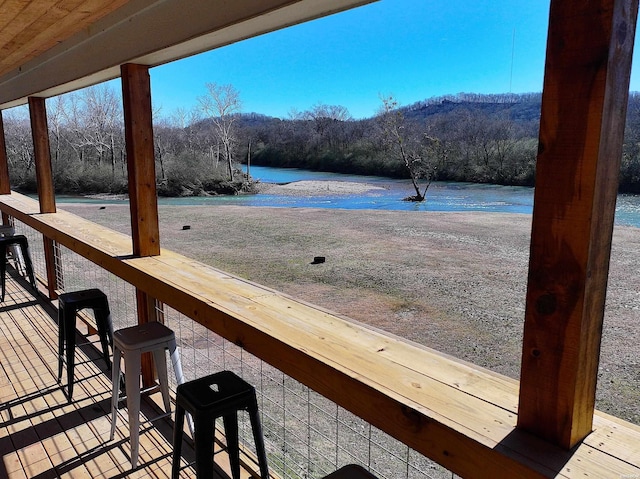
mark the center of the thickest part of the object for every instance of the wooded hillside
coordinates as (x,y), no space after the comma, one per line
(463,137)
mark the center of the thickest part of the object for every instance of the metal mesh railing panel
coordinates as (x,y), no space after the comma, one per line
(307,436)
(36,248)
(79,273)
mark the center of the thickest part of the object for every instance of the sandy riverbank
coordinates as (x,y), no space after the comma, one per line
(295,188)
(452,281)
(317,188)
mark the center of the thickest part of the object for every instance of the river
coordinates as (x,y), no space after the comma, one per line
(441,196)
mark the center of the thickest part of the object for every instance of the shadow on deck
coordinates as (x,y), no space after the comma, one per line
(42,434)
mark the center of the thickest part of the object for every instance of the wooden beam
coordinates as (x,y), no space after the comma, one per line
(44,179)
(42,152)
(146,308)
(52,262)
(136,94)
(581,132)
(5,185)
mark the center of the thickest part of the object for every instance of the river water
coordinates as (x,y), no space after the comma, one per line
(441,196)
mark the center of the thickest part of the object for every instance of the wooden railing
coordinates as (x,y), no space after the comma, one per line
(460,415)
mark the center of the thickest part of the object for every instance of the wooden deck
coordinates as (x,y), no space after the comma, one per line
(42,435)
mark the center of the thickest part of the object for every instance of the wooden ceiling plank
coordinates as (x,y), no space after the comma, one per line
(47,24)
(11,33)
(29,15)
(52,27)
(9,11)
(46,31)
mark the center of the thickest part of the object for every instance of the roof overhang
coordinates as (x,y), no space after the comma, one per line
(152,33)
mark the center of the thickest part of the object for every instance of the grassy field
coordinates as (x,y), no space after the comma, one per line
(455,282)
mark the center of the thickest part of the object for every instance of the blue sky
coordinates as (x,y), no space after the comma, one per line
(413,49)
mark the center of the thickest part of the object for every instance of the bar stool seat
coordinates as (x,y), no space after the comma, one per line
(130,343)
(69,304)
(351,471)
(222,394)
(13,250)
(22,242)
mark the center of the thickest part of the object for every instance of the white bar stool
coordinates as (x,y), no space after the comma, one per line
(130,343)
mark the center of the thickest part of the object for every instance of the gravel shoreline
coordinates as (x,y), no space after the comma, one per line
(455,282)
(317,188)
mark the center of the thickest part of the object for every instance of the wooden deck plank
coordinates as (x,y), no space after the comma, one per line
(41,433)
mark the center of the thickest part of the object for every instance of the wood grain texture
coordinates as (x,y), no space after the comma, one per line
(146,309)
(42,153)
(582,125)
(31,27)
(52,263)
(136,95)
(5,186)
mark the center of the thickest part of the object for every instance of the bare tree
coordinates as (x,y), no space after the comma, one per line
(94,116)
(415,148)
(222,104)
(162,140)
(19,141)
(328,121)
(55,119)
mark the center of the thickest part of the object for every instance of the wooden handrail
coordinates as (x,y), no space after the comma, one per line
(458,414)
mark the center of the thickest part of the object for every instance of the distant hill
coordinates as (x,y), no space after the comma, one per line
(518,108)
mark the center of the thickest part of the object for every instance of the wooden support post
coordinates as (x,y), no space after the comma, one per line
(52,261)
(44,179)
(584,103)
(42,152)
(136,94)
(5,185)
(146,307)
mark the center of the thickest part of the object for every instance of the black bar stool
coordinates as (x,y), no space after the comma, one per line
(68,306)
(352,471)
(6,242)
(221,394)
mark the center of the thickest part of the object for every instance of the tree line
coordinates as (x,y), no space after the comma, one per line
(194,150)
(210,148)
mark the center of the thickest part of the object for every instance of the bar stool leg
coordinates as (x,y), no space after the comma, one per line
(27,262)
(106,337)
(233,448)
(258,440)
(70,333)
(177,368)
(115,396)
(61,334)
(177,442)
(159,358)
(175,361)
(132,381)
(204,452)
